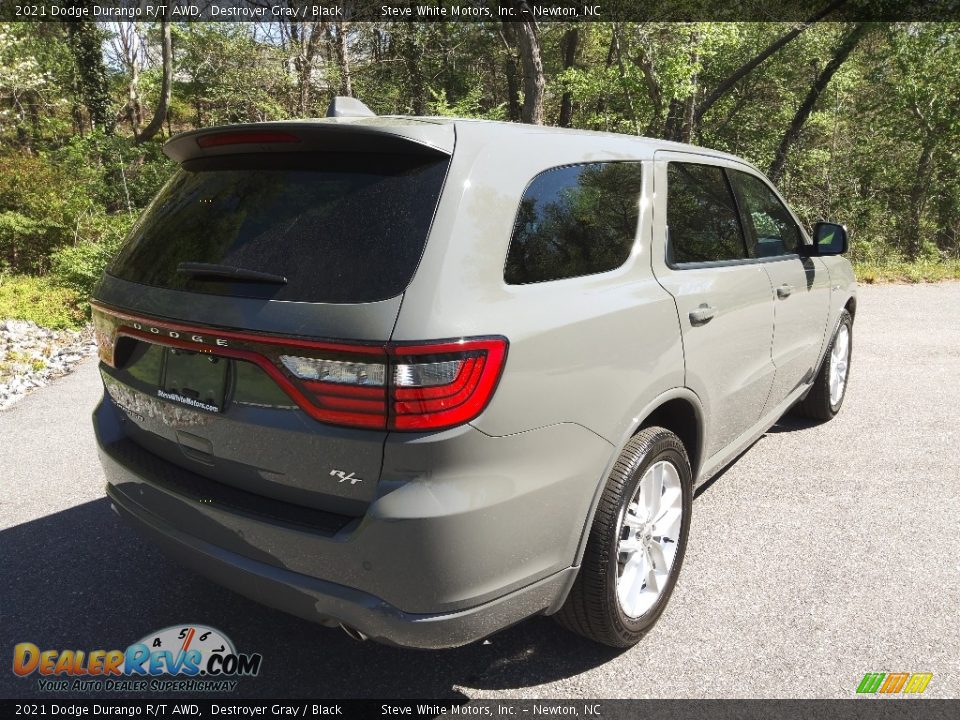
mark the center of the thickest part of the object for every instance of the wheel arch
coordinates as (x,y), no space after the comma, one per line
(678,410)
(851,306)
(683,418)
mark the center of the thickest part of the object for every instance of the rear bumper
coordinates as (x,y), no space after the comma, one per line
(331,604)
(482,535)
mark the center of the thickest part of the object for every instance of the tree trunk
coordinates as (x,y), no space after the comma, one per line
(617,44)
(681,124)
(128,44)
(792,134)
(134,109)
(301,41)
(160,114)
(416,88)
(304,85)
(510,72)
(654,93)
(601,101)
(343,59)
(570,41)
(534,83)
(292,34)
(513,88)
(948,219)
(913,242)
(86,43)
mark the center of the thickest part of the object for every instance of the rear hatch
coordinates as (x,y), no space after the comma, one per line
(243,325)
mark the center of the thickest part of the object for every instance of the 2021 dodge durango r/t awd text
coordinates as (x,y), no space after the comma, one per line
(423,378)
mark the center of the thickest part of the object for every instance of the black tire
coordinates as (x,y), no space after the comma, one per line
(592,609)
(816,405)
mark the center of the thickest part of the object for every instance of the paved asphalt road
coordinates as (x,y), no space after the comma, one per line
(825,552)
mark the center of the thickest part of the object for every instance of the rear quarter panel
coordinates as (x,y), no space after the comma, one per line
(591,350)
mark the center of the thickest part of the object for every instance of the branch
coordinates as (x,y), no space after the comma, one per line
(752,64)
(850,42)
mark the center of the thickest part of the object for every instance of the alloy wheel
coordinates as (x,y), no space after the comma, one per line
(648,539)
(839,360)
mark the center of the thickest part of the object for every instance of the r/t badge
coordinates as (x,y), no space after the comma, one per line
(344,477)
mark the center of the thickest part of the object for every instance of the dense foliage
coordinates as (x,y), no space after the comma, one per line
(859,123)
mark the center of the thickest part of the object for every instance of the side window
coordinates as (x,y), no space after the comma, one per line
(575,220)
(770,229)
(702,216)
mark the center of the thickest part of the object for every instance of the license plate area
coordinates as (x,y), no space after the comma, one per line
(195,379)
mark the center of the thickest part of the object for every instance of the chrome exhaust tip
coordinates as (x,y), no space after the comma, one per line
(353,633)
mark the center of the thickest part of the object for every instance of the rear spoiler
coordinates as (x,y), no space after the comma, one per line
(343,134)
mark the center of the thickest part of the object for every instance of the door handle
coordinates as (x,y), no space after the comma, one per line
(784,291)
(702,315)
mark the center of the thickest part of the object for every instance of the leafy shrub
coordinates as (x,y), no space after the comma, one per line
(39,299)
(117,176)
(37,207)
(25,243)
(902,271)
(80,266)
(66,209)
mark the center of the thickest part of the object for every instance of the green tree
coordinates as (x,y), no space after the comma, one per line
(926,59)
(86,41)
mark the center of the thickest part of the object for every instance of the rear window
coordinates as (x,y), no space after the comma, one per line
(575,220)
(341,228)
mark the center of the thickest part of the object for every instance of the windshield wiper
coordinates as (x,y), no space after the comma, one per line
(229,272)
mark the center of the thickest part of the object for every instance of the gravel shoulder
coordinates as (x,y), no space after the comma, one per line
(32,357)
(824,552)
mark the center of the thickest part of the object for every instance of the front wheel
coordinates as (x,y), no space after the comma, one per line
(830,386)
(636,543)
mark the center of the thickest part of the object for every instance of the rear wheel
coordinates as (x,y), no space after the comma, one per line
(636,543)
(830,387)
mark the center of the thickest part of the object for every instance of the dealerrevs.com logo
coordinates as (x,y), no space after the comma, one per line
(184,658)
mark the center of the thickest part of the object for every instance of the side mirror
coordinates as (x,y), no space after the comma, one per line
(829,239)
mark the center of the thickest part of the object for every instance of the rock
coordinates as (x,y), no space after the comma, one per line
(32,356)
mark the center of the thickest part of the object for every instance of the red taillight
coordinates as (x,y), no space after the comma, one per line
(245,138)
(452,396)
(386,386)
(408,387)
(344,385)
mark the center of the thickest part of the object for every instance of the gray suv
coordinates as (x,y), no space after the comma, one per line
(422,378)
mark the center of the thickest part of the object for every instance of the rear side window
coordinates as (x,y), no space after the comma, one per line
(704,225)
(770,228)
(575,220)
(341,228)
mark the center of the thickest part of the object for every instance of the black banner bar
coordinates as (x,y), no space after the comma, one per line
(202,709)
(478,10)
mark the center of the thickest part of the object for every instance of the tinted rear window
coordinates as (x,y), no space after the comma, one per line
(341,228)
(575,220)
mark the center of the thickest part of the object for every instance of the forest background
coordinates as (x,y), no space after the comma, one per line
(857,122)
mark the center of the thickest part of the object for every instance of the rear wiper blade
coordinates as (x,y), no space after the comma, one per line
(229,272)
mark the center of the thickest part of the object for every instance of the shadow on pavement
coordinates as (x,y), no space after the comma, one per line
(787,423)
(82,579)
(792,423)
